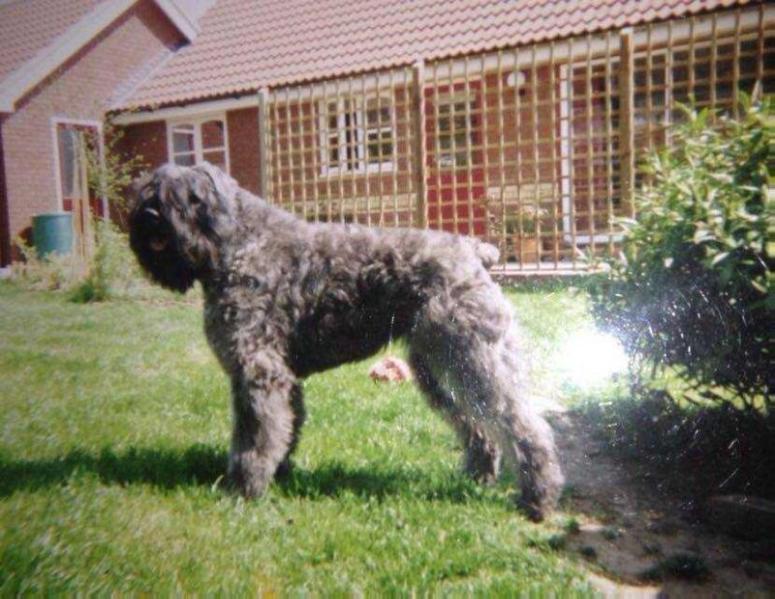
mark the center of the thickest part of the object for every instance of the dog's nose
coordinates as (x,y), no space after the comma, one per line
(157,245)
(152,211)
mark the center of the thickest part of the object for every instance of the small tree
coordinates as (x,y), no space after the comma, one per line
(110,172)
(696,290)
(110,176)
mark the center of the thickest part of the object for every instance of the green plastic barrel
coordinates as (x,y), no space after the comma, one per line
(53,233)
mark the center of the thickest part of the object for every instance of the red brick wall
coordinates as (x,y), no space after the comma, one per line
(81,89)
(242,128)
(146,140)
(149,140)
(5,239)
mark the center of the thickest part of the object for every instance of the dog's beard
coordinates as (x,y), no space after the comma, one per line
(169,269)
(153,242)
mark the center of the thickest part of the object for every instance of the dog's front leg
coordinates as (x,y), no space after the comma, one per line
(263,422)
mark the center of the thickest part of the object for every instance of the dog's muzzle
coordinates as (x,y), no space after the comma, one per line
(151,221)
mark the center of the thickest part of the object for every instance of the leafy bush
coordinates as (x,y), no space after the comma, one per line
(55,272)
(113,268)
(695,451)
(696,290)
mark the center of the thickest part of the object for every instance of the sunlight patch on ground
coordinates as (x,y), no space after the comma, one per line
(588,358)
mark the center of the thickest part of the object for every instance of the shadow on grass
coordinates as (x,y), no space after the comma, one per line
(164,468)
(334,479)
(202,465)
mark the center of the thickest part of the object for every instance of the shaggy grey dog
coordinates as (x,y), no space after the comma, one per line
(285,298)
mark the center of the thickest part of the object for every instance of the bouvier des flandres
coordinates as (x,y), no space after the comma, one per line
(285,298)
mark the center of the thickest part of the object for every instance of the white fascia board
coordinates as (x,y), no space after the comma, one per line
(190,110)
(48,59)
(57,52)
(179,18)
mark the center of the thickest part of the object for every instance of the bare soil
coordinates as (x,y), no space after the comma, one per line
(641,539)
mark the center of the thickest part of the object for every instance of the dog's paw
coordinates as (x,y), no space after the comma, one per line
(533,511)
(246,482)
(284,470)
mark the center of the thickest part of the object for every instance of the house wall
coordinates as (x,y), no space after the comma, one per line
(242,129)
(545,136)
(80,90)
(149,141)
(5,234)
(301,182)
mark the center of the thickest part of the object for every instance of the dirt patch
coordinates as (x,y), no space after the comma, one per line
(640,539)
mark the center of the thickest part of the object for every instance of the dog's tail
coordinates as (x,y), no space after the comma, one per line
(486,252)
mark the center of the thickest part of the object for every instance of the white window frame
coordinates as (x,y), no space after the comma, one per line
(55,123)
(361,129)
(197,122)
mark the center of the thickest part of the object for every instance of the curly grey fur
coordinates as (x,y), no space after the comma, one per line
(285,298)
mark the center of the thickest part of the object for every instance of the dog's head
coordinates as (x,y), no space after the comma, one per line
(178,221)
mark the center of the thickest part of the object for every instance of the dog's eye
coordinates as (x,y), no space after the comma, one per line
(193,199)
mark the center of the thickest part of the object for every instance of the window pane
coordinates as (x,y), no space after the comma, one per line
(72,141)
(332,113)
(183,139)
(213,135)
(380,147)
(184,159)
(67,164)
(333,150)
(378,113)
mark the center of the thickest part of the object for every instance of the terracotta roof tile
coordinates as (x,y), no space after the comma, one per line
(244,44)
(28,26)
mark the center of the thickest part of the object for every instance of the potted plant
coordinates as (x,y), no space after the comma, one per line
(522,228)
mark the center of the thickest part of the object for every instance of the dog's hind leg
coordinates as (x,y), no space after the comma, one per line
(492,379)
(299,416)
(487,384)
(482,456)
(263,396)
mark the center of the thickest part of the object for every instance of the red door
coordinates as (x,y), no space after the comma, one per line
(455,184)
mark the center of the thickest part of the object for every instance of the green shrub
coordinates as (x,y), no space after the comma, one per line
(113,269)
(695,290)
(55,272)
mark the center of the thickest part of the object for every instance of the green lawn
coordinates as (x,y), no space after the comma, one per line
(113,439)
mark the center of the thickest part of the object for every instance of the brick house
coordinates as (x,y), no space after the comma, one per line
(63,64)
(521,122)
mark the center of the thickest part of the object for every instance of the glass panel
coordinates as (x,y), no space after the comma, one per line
(68,139)
(183,138)
(333,150)
(380,146)
(213,135)
(184,159)
(455,133)
(71,141)
(378,112)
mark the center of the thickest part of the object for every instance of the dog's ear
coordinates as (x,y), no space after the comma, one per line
(224,187)
(136,188)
